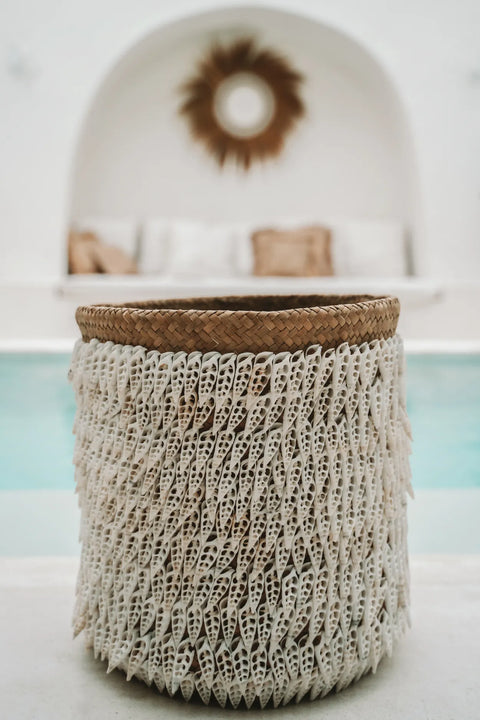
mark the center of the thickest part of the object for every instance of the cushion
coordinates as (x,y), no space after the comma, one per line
(198,248)
(154,240)
(81,259)
(369,248)
(244,260)
(120,232)
(243,250)
(304,252)
(87,254)
(112,260)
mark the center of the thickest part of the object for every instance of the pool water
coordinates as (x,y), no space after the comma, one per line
(443,400)
(37,409)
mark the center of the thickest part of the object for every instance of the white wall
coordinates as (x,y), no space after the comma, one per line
(429,48)
(348,158)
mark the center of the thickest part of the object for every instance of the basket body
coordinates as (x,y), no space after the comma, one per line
(243,515)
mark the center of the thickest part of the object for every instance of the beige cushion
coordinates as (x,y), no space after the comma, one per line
(121,232)
(113,260)
(81,259)
(303,252)
(86,254)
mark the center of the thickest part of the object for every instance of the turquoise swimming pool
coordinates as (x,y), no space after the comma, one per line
(37,409)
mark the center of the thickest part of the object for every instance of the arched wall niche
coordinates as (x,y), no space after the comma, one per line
(352,157)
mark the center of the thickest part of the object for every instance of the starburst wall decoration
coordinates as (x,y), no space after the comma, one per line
(242,102)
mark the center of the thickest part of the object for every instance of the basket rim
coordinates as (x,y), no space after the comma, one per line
(157,306)
(238,323)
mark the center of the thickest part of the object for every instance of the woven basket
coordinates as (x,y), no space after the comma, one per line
(242,468)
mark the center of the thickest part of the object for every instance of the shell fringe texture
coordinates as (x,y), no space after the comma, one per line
(244,532)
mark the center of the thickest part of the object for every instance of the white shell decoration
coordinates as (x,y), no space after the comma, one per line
(244,535)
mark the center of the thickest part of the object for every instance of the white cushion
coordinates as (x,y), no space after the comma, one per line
(154,246)
(243,251)
(119,232)
(369,249)
(198,249)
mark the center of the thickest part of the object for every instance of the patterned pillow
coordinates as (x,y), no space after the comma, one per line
(304,252)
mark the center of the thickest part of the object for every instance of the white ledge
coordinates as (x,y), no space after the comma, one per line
(37,345)
(438,346)
(435,346)
(85,286)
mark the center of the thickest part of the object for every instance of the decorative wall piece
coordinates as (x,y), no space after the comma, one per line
(242,102)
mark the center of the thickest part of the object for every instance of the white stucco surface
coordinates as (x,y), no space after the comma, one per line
(56,55)
(393,131)
(350,157)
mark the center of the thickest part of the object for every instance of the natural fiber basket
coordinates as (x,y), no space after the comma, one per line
(242,468)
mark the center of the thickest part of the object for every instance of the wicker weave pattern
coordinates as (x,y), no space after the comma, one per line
(243,516)
(244,324)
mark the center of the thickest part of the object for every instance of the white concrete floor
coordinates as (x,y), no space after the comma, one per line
(45,675)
